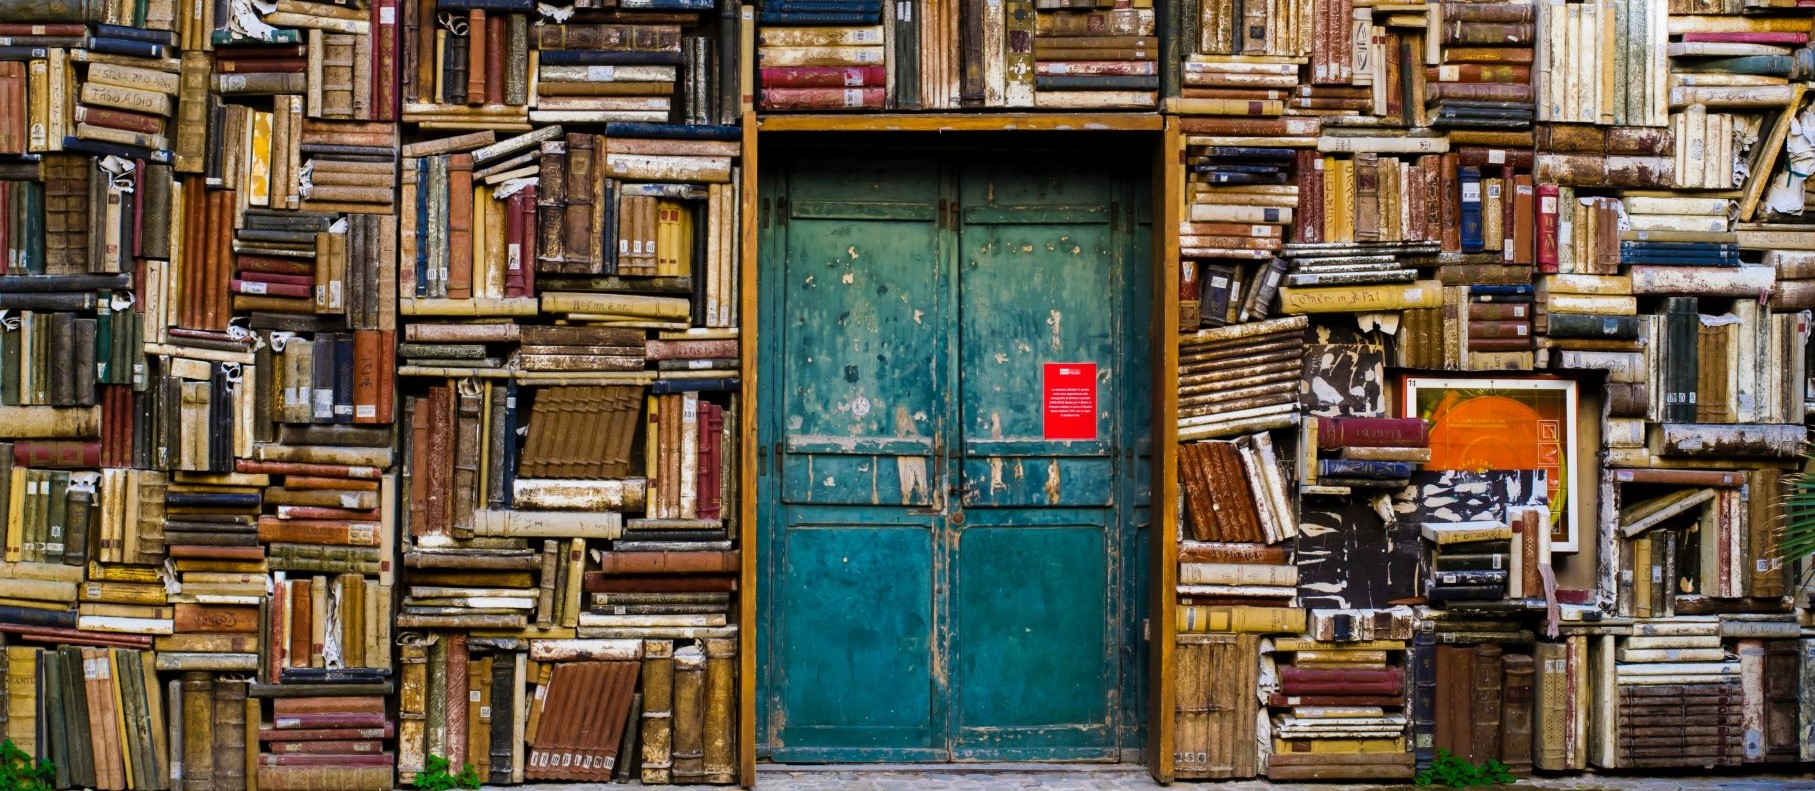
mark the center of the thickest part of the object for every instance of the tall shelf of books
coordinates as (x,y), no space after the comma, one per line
(370,395)
(1491,374)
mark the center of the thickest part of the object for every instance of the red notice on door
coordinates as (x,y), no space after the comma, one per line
(1069,401)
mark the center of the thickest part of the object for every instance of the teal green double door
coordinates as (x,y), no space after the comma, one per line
(952,532)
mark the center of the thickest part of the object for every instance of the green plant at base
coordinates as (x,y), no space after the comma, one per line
(1452,772)
(435,776)
(20,772)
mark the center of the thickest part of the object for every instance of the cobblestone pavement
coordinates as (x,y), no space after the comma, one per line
(1121,778)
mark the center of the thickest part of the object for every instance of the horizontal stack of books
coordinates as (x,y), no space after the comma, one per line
(1339,711)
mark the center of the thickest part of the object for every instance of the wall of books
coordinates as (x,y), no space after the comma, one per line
(370,374)
(370,391)
(1491,383)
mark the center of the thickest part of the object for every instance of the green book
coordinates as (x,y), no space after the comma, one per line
(104,370)
(31,227)
(51,716)
(56,522)
(75,704)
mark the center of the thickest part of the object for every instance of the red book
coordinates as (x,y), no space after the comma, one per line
(33,29)
(596,582)
(513,245)
(272,289)
(293,707)
(1792,39)
(1372,432)
(1390,701)
(1310,196)
(530,234)
(384,60)
(322,512)
(366,373)
(309,759)
(821,98)
(275,266)
(262,66)
(1290,675)
(822,77)
(120,119)
(57,454)
(1547,228)
(1340,688)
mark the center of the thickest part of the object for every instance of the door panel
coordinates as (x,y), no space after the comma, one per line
(864,335)
(1032,677)
(1039,282)
(908,347)
(857,626)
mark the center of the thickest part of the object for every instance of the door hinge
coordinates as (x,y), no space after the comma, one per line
(939,217)
(1146,628)
(781,210)
(957,220)
(1115,216)
(762,220)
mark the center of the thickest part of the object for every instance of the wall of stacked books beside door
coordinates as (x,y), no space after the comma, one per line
(370,391)
(1491,383)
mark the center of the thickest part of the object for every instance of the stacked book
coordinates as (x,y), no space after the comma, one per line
(1214,573)
(1235,490)
(97,715)
(1490,42)
(1235,85)
(1370,453)
(1240,378)
(1678,696)
(1476,569)
(1339,711)
(1083,59)
(823,67)
(1481,706)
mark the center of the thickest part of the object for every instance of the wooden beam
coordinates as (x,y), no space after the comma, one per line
(1168,204)
(964,122)
(746,467)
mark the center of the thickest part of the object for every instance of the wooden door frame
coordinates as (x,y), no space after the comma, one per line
(1167,179)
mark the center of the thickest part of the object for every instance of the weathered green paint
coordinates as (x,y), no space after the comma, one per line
(940,582)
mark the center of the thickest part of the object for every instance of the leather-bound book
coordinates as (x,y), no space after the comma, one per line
(720,729)
(454,62)
(551,208)
(1516,712)
(198,731)
(412,699)
(460,226)
(1422,661)
(688,753)
(658,711)
(1484,711)
(466,461)
(458,667)
(504,704)
(685,562)
(476,51)
(581,184)
(230,735)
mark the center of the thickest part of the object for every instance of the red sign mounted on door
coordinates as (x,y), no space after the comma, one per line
(1069,401)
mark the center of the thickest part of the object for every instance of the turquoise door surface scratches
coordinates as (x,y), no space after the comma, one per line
(939,580)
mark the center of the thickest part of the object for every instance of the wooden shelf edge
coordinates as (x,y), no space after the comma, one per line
(965,122)
(748,336)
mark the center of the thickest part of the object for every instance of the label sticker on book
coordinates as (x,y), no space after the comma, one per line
(387,15)
(1069,401)
(1471,191)
(853,97)
(1496,156)
(1449,74)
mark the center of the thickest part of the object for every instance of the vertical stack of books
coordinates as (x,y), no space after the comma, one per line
(1677,696)
(1083,59)
(810,64)
(1339,711)
(1487,50)
(1481,704)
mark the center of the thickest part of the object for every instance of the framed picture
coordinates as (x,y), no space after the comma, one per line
(1504,424)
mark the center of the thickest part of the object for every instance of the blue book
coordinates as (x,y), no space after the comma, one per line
(827,6)
(24,53)
(1354,468)
(673,131)
(211,499)
(1700,246)
(817,18)
(1251,152)
(130,47)
(1475,291)
(665,386)
(29,616)
(666,5)
(100,149)
(1469,179)
(1678,259)
(163,37)
(575,57)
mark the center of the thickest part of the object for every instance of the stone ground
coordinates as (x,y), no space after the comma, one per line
(1121,778)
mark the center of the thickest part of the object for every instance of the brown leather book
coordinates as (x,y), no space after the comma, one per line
(198,731)
(460,226)
(720,761)
(476,52)
(301,623)
(297,706)
(1516,712)
(669,562)
(658,711)
(1218,552)
(457,669)
(230,735)
(1455,672)
(325,778)
(688,752)
(597,582)
(318,531)
(468,449)
(582,192)
(215,618)
(551,207)
(1485,704)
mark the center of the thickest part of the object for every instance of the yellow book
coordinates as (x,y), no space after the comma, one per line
(15,515)
(38,590)
(1341,180)
(1339,657)
(1301,644)
(22,698)
(37,78)
(121,738)
(258,159)
(576,568)
(1240,618)
(1358,299)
